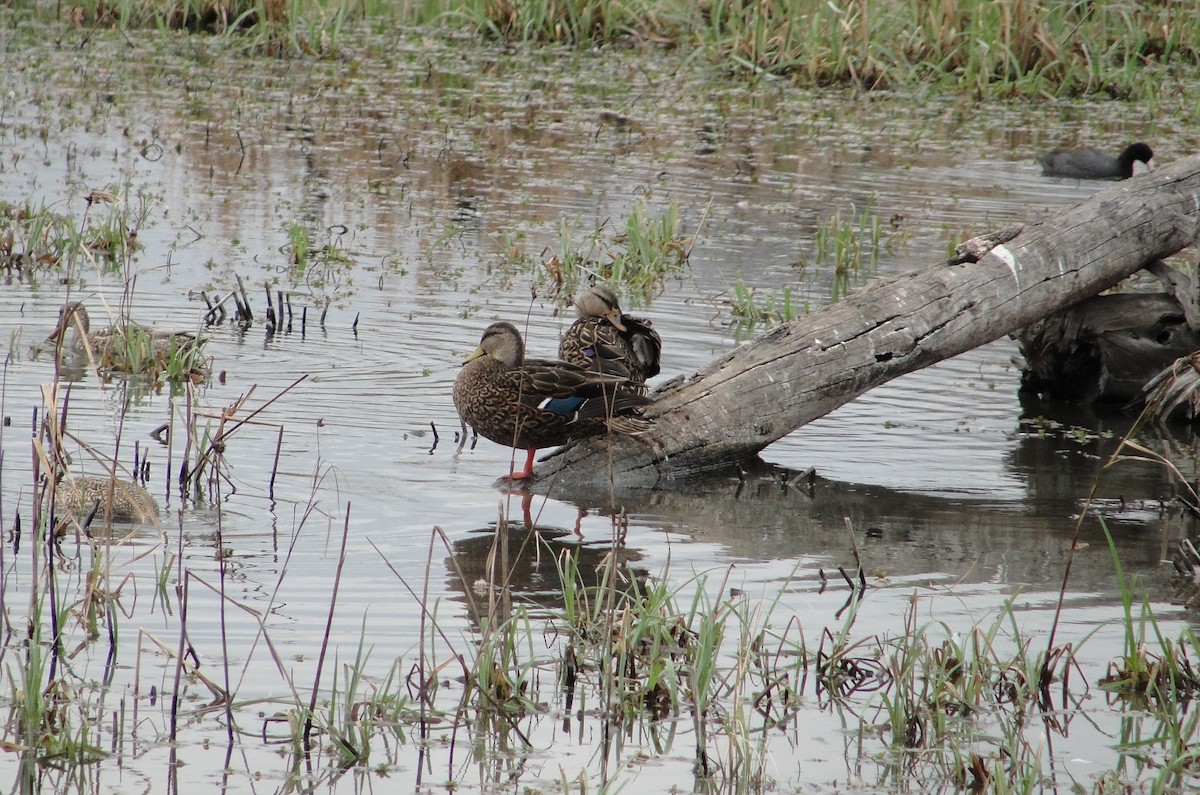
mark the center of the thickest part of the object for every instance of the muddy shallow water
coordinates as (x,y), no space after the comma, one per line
(423,163)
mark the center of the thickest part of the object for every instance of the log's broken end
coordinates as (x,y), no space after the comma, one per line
(977,247)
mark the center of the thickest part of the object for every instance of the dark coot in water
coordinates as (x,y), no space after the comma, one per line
(1090,164)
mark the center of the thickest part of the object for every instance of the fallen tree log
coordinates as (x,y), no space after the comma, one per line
(1105,349)
(800,371)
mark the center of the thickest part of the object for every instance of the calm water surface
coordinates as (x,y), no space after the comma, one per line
(422,165)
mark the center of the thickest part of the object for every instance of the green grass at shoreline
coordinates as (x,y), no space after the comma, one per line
(1008,48)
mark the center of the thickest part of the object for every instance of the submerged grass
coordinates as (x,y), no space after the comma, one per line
(693,658)
(638,257)
(323,271)
(1156,672)
(848,245)
(848,248)
(752,309)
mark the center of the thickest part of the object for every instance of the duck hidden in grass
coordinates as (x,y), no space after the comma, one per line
(127,347)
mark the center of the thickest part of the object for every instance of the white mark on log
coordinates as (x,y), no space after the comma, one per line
(1008,259)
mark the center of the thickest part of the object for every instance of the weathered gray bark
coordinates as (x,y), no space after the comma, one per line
(800,371)
(1107,348)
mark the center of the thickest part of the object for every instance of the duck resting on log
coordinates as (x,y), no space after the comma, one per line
(802,370)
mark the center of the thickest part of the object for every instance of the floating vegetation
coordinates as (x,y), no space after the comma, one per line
(324,271)
(638,258)
(844,245)
(33,238)
(751,309)
(1044,427)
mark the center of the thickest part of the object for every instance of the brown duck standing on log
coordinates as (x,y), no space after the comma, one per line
(532,403)
(606,340)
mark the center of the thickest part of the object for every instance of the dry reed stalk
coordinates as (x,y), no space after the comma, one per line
(275,464)
(210,458)
(337,581)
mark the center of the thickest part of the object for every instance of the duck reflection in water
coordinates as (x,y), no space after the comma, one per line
(509,558)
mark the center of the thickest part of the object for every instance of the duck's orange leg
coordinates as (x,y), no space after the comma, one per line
(528,470)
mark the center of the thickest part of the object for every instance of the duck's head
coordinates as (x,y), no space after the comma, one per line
(72,315)
(600,301)
(502,342)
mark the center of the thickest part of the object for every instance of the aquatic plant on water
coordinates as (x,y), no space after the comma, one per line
(636,257)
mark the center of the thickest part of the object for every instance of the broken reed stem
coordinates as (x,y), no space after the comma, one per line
(272,322)
(222,572)
(216,311)
(172,411)
(211,456)
(337,580)
(422,673)
(275,464)
(52,440)
(112,471)
(181,591)
(189,424)
(244,300)
(499,605)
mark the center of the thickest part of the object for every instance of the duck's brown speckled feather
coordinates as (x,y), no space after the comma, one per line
(125,502)
(596,342)
(502,395)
